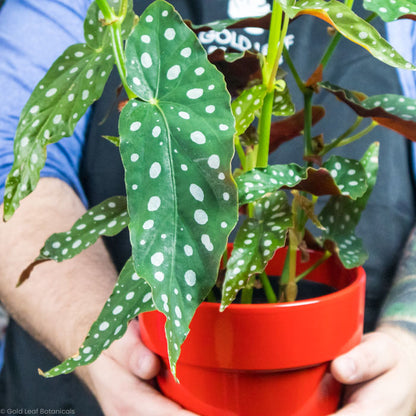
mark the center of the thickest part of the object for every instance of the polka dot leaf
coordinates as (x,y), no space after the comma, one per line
(255,243)
(338,176)
(348,174)
(131,296)
(71,85)
(245,107)
(393,111)
(341,215)
(106,219)
(352,27)
(176,144)
(389,10)
(282,102)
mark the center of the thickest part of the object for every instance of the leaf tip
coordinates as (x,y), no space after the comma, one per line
(7,213)
(27,272)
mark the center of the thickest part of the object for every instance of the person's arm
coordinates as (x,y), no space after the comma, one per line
(59,302)
(381,372)
(399,309)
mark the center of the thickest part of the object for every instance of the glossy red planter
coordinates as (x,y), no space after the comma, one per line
(268,359)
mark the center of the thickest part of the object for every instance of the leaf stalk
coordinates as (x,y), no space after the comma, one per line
(344,141)
(268,289)
(114,22)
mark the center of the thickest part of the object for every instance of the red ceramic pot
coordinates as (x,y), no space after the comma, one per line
(265,359)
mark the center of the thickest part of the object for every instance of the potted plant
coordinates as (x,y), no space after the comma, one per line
(177,135)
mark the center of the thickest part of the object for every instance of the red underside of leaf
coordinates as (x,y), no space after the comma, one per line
(291,127)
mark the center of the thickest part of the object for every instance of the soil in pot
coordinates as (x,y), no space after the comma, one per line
(307,289)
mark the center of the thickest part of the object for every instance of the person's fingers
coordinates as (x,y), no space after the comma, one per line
(376,354)
(131,353)
(386,395)
(120,393)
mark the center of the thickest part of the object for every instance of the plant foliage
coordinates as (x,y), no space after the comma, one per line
(177,137)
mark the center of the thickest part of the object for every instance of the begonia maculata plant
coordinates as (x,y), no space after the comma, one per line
(178,133)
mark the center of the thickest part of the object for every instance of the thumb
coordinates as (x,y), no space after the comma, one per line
(130,352)
(376,354)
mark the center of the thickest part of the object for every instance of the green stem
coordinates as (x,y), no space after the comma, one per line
(339,139)
(273,41)
(247,295)
(241,154)
(335,40)
(276,43)
(268,289)
(293,70)
(123,9)
(118,49)
(211,296)
(116,40)
(251,157)
(326,256)
(292,256)
(224,258)
(357,136)
(307,130)
(330,49)
(265,123)
(276,60)
(107,11)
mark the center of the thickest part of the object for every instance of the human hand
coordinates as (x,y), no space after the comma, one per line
(120,380)
(379,374)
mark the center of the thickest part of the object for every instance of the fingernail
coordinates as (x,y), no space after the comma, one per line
(347,368)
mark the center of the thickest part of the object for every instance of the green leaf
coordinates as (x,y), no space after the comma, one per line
(348,174)
(107,218)
(389,10)
(254,184)
(338,177)
(176,146)
(255,244)
(341,215)
(131,296)
(282,102)
(113,139)
(72,84)
(246,105)
(394,104)
(393,111)
(352,27)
